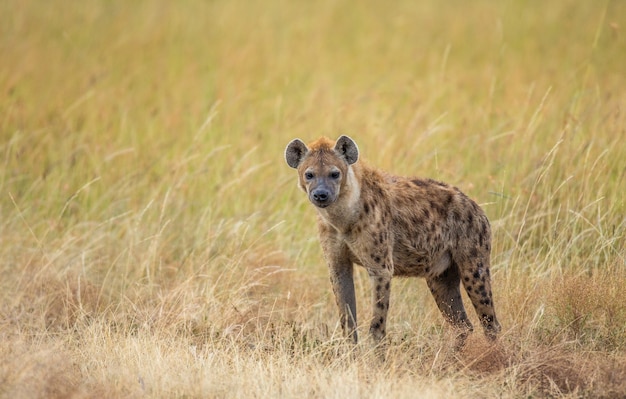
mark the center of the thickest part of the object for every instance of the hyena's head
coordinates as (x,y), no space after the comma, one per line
(323,167)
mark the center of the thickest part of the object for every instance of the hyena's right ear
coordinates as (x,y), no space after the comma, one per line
(295,152)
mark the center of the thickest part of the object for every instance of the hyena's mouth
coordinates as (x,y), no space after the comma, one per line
(321,204)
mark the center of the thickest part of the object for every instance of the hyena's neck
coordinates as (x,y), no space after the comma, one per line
(344,213)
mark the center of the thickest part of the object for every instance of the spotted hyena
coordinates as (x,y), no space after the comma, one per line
(395,226)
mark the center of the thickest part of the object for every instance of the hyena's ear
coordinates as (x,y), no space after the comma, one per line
(347,148)
(295,152)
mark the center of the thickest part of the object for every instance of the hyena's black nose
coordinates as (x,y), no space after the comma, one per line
(320,195)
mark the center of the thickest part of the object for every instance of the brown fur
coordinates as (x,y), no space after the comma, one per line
(395,226)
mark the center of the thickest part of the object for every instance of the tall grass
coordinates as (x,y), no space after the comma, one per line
(153,243)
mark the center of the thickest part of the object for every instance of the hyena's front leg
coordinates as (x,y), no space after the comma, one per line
(343,287)
(340,266)
(381,290)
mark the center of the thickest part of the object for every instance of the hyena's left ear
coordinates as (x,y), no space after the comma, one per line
(347,148)
(295,152)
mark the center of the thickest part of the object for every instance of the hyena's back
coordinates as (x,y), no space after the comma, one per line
(432,224)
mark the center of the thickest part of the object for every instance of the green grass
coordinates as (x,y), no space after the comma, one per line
(153,241)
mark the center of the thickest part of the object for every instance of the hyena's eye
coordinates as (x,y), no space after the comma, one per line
(335,175)
(308,175)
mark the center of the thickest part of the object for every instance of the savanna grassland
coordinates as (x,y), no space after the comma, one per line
(153,242)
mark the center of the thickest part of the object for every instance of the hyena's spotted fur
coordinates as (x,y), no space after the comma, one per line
(395,226)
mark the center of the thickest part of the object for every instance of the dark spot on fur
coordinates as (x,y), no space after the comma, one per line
(387,286)
(378,287)
(473,252)
(426,213)
(476,274)
(468,289)
(437,208)
(376,326)
(438,183)
(456,215)
(366,207)
(483,227)
(419,183)
(470,218)
(380,305)
(382,320)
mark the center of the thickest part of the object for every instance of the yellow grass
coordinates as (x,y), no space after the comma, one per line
(153,242)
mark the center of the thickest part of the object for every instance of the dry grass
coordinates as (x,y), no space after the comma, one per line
(153,243)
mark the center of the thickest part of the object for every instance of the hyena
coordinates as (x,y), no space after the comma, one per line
(395,226)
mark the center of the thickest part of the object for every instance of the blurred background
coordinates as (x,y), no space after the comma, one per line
(143,190)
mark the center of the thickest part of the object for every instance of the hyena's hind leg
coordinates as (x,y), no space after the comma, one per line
(445,288)
(477,282)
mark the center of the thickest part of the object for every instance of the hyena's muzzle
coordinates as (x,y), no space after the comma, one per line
(322,194)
